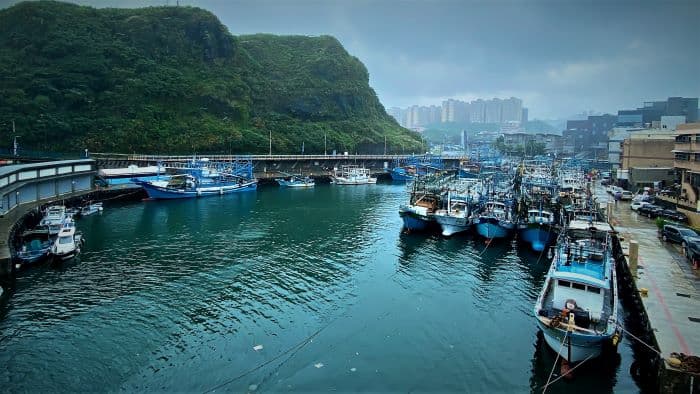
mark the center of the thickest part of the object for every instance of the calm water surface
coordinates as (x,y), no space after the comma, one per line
(175,295)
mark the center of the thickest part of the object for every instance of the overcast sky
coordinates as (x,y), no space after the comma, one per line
(561,57)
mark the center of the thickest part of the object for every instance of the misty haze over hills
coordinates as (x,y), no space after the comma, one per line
(559,58)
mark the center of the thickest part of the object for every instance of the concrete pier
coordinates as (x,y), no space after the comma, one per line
(669,291)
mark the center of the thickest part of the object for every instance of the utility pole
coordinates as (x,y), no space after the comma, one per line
(384,145)
(14,145)
(325,148)
(270,143)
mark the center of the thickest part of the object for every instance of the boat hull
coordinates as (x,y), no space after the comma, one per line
(492,229)
(344,181)
(582,346)
(452,225)
(295,185)
(539,236)
(158,192)
(400,175)
(413,221)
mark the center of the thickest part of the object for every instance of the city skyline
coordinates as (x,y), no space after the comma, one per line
(560,58)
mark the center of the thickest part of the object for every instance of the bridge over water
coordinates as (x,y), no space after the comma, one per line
(269,166)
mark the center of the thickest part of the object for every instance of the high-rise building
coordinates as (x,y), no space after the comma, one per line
(511,110)
(524,116)
(454,111)
(476,111)
(492,111)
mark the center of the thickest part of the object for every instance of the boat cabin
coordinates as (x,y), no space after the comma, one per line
(540,216)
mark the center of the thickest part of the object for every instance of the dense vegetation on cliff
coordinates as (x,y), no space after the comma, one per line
(174,80)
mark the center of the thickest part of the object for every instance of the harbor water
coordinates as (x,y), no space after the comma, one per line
(308,290)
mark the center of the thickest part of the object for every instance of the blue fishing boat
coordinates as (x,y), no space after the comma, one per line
(36,247)
(577,309)
(410,168)
(201,178)
(419,213)
(538,229)
(296,181)
(494,221)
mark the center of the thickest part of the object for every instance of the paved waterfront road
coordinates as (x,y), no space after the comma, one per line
(673,302)
(177,295)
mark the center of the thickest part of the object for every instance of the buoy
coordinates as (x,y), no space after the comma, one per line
(615,339)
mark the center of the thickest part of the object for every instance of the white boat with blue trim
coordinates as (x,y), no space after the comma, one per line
(577,309)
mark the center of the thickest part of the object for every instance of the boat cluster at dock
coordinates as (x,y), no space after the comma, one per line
(55,238)
(548,206)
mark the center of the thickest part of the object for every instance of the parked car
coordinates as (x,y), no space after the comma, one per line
(649,210)
(673,215)
(626,195)
(678,234)
(638,204)
(691,249)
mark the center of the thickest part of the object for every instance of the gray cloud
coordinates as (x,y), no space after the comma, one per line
(560,57)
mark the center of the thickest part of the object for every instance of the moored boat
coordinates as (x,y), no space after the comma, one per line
(455,218)
(577,309)
(494,221)
(53,219)
(36,247)
(352,175)
(202,178)
(68,242)
(538,229)
(297,181)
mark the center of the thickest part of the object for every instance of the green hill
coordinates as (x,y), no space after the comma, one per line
(174,80)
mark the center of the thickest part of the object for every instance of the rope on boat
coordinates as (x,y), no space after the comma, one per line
(566,333)
(544,388)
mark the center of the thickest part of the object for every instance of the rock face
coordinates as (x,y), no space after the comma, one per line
(174,80)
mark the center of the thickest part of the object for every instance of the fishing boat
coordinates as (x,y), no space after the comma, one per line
(53,219)
(418,214)
(352,175)
(202,178)
(577,309)
(124,177)
(36,247)
(90,208)
(68,242)
(494,220)
(410,168)
(538,229)
(454,219)
(296,181)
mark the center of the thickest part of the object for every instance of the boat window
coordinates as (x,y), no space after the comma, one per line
(578,286)
(64,240)
(564,283)
(593,289)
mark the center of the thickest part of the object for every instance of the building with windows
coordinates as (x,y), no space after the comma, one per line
(687,161)
(589,135)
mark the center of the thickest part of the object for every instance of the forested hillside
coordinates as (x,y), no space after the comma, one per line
(174,80)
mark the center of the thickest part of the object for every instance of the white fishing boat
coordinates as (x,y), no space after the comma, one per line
(54,218)
(91,208)
(352,175)
(454,219)
(577,309)
(68,242)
